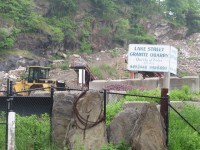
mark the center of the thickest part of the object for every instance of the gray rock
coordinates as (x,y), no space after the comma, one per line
(149,133)
(36,42)
(12,62)
(136,105)
(80,134)
(62,114)
(40,93)
(121,127)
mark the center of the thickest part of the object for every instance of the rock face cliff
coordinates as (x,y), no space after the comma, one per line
(82,28)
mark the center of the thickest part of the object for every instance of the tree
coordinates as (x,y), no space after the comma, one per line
(177,10)
(107,9)
(62,8)
(193,17)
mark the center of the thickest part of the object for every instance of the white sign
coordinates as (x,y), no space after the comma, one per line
(153,58)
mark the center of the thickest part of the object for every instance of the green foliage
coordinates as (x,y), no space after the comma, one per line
(121,34)
(104,31)
(32,131)
(114,53)
(193,20)
(64,67)
(15,9)
(36,23)
(176,10)
(120,146)
(26,20)
(56,34)
(148,39)
(117,19)
(108,9)
(184,12)
(67,26)
(85,43)
(7,37)
(2,130)
(61,8)
(183,94)
(114,108)
(137,34)
(181,135)
(85,47)
(134,34)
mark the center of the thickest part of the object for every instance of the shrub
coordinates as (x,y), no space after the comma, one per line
(56,33)
(85,43)
(32,131)
(64,67)
(7,37)
(85,47)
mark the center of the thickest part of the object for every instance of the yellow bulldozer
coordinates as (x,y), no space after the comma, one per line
(37,77)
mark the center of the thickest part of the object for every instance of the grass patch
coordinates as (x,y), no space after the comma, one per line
(2,131)
(114,53)
(33,132)
(25,53)
(181,135)
(104,71)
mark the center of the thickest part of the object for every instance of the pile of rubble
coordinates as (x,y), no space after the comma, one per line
(12,75)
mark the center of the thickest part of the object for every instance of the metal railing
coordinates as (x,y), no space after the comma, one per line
(164,102)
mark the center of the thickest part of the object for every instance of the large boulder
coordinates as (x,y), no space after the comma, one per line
(88,128)
(62,114)
(121,126)
(149,131)
(136,105)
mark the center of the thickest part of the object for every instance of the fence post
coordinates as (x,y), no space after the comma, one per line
(7,94)
(104,104)
(52,93)
(164,110)
(10,127)
(11,88)
(11,130)
(8,87)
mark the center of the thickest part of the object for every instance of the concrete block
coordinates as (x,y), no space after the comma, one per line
(150,83)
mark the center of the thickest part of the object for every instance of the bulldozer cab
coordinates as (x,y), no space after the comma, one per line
(35,73)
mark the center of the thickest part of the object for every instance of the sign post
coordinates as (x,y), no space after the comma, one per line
(155,58)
